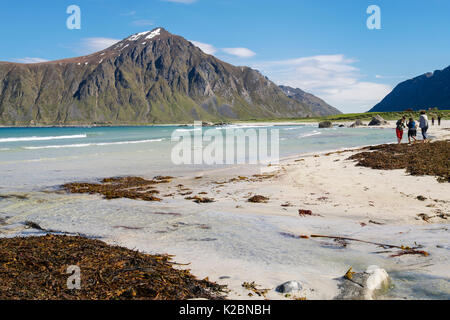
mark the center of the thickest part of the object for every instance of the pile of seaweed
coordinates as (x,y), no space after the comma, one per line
(121,187)
(418,159)
(36,268)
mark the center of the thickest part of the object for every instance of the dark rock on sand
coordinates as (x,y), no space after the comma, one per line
(377,121)
(357,123)
(325,124)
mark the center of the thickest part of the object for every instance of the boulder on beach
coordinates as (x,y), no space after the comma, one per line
(221,123)
(377,121)
(357,123)
(326,124)
(289,287)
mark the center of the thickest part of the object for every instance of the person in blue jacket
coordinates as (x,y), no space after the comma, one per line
(412,130)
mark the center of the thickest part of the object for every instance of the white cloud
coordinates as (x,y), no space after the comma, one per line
(378,76)
(239,52)
(205,47)
(331,77)
(91,45)
(142,23)
(30,60)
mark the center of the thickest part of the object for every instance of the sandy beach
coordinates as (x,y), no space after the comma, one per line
(233,241)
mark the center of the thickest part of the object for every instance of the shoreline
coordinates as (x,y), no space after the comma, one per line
(288,121)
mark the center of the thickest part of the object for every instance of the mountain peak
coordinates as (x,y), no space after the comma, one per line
(430,90)
(139,39)
(320,107)
(149,77)
(148,35)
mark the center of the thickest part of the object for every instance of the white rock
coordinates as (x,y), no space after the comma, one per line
(378,278)
(289,286)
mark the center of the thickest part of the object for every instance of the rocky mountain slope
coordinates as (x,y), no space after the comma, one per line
(319,106)
(150,77)
(431,90)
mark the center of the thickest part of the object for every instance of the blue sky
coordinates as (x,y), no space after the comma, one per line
(321,46)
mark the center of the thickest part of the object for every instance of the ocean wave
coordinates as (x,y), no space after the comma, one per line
(314,133)
(5,149)
(225,127)
(236,126)
(35,138)
(293,128)
(82,145)
(188,130)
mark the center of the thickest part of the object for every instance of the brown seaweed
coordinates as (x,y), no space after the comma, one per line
(258,199)
(418,159)
(120,187)
(35,268)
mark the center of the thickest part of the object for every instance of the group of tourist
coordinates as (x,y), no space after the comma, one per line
(412,127)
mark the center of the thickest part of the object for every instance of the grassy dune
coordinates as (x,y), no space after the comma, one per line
(367,116)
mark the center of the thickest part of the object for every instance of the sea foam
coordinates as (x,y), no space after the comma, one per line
(82,145)
(35,138)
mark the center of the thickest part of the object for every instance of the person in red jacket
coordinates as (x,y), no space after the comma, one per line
(399,129)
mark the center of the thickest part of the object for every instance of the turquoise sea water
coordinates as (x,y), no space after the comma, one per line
(32,158)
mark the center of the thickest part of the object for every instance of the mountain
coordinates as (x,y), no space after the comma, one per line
(319,106)
(149,77)
(431,90)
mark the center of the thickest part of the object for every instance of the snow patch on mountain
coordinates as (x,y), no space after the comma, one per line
(137,36)
(153,34)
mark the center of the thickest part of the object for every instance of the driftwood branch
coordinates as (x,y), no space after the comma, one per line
(404,250)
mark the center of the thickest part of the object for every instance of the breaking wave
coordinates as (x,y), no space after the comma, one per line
(34,138)
(82,145)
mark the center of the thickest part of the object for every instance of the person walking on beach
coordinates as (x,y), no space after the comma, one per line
(432,120)
(439,120)
(412,130)
(399,129)
(423,124)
